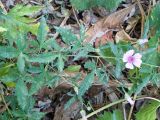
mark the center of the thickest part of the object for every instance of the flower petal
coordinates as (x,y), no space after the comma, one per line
(137,56)
(129,66)
(137,62)
(127,54)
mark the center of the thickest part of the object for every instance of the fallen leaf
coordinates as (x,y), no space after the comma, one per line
(132,23)
(109,23)
(104,38)
(122,35)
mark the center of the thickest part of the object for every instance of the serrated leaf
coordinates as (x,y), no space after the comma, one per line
(55,45)
(49,44)
(21,93)
(144,83)
(43,58)
(87,4)
(37,83)
(154,20)
(114,49)
(86,84)
(8,52)
(82,53)
(102,75)
(70,102)
(116,115)
(67,36)
(118,69)
(42,32)
(21,63)
(90,65)
(148,112)
(60,64)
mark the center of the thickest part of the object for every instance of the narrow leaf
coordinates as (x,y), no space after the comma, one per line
(21,63)
(43,58)
(86,84)
(21,93)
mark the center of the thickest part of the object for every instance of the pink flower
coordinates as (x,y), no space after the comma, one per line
(131,59)
(142,41)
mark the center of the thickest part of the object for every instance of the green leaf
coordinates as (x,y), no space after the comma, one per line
(60,63)
(73,68)
(21,93)
(86,84)
(16,21)
(67,36)
(148,112)
(154,20)
(116,115)
(21,63)
(49,44)
(43,58)
(4,69)
(70,102)
(81,53)
(42,32)
(55,45)
(90,65)
(152,57)
(143,84)
(36,115)
(37,83)
(87,4)
(8,52)
(118,69)
(114,48)
(102,75)
(21,10)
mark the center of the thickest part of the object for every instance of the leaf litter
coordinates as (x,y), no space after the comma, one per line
(101,29)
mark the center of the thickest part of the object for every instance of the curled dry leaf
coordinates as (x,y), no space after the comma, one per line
(109,23)
(122,35)
(132,22)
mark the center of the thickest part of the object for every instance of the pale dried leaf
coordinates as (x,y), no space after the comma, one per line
(109,23)
(122,35)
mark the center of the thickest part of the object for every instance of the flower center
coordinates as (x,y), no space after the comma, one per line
(130,59)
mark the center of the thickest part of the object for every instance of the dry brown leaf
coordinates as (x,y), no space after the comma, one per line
(122,35)
(132,23)
(103,40)
(109,23)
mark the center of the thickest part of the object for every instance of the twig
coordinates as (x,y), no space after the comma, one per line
(2,6)
(143,17)
(74,12)
(6,105)
(4,108)
(131,109)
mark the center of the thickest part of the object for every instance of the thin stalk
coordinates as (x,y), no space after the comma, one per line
(117,102)
(131,109)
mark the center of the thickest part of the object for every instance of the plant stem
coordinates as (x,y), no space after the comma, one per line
(105,107)
(117,102)
(131,110)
